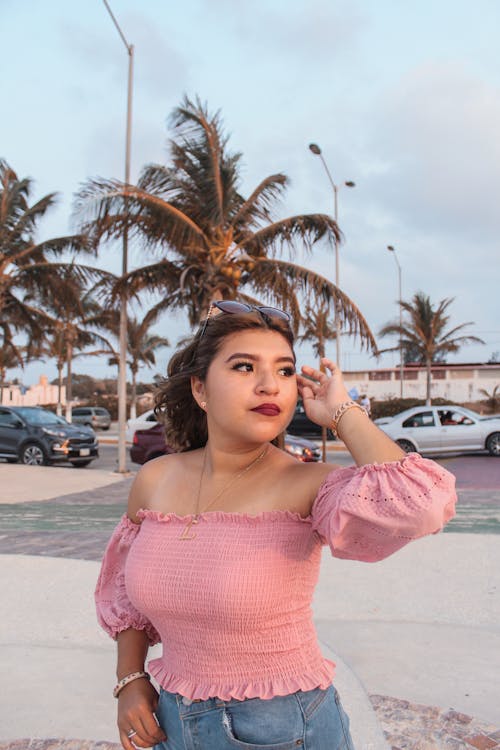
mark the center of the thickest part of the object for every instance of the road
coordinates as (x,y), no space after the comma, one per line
(108,458)
(474,472)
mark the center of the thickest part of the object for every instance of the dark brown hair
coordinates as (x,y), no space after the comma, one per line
(185,422)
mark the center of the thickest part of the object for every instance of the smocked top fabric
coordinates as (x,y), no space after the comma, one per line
(232,606)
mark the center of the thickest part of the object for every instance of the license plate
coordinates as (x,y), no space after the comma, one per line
(84,451)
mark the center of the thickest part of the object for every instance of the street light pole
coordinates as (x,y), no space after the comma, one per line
(348,183)
(401,363)
(122,360)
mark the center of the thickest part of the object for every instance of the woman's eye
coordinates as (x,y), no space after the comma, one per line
(243,366)
(286,372)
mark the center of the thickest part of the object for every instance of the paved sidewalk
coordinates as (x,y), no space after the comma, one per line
(44,483)
(427,651)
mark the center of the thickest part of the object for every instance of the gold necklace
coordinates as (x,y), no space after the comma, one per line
(187,534)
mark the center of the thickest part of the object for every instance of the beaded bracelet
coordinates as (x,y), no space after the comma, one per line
(125,681)
(340,411)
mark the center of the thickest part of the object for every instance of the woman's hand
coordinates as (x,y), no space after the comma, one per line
(322,395)
(136,703)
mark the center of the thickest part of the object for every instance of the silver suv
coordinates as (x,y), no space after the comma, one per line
(93,416)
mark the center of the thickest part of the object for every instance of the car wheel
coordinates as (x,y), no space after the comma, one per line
(33,454)
(80,463)
(407,446)
(493,444)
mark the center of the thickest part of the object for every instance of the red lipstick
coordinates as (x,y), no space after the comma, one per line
(269,410)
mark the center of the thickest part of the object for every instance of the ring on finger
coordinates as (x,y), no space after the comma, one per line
(131,733)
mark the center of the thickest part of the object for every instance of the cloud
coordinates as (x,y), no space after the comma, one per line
(159,69)
(435,151)
(163,70)
(312,30)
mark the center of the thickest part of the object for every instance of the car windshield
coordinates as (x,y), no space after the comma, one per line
(39,416)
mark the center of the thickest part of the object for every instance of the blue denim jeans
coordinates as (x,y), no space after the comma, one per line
(305,720)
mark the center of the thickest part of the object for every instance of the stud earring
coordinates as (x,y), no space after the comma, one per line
(203,405)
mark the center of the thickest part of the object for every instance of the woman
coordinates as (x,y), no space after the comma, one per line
(218,554)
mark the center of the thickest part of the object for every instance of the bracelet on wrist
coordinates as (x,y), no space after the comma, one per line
(125,681)
(340,411)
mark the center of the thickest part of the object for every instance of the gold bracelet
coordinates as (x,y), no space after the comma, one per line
(125,681)
(340,411)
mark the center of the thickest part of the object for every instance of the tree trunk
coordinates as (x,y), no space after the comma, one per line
(3,373)
(60,366)
(69,393)
(133,404)
(428,365)
(321,348)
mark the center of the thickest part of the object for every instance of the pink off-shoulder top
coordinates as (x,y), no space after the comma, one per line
(232,607)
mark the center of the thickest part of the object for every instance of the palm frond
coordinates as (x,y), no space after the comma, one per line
(258,205)
(270,273)
(107,208)
(202,144)
(308,229)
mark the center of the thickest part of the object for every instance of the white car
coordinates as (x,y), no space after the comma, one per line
(143,422)
(443,429)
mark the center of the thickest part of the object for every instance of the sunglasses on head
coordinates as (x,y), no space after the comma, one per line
(240,308)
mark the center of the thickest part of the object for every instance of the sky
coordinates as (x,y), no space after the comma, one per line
(403,98)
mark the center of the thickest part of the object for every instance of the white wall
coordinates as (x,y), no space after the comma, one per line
(460,383)
(37,395)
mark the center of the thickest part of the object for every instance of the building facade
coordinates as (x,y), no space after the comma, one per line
(41,394)
(457,383)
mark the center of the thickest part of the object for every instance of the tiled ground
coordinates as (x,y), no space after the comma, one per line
(54,744)
(78,526)
(410,726)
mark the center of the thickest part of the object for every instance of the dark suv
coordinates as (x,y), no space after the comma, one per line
(38,437)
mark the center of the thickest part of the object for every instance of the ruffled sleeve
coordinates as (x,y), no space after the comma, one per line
(367,513)
(114,609)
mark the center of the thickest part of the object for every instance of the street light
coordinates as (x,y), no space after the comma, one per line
(350,184)
(401,363)
(122,360)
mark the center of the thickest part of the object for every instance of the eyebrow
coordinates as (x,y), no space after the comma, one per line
(255,358)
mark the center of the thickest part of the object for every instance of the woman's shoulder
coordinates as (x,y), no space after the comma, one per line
(312,474)
(302,480)
(154,474)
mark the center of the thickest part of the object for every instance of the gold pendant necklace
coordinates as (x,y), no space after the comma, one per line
(187,533)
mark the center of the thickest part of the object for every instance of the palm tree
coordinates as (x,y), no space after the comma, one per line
(318,326)
(28,268)
(425,332)
(10,356)
(141,348)
(76,321)
(213,242)
(492,399)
